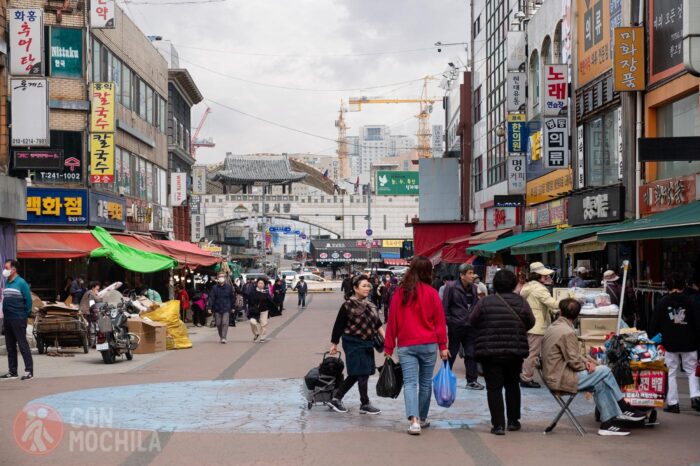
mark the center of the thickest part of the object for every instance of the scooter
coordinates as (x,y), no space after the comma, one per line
(113,337)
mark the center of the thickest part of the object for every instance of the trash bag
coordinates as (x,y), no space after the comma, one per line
(618,354)
(168,313)
(445,386)
(390,379)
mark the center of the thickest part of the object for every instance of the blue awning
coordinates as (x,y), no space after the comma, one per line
(391,255)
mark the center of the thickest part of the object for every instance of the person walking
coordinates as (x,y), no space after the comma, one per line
(16,307)
(356,323)
(388,296)
(221,301)
(91,315)
(677,318)
(182,296)
(301,288)
(417,325)
(501,321)
(459,298)
(279,293)
(261,304)
(199,309)
(346,286)
(543,306)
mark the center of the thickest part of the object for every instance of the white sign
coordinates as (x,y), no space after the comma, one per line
(197,228)
(26,41)
(556,89)
(619,144)
(498,218)
(515,90)
(556,142)
(199,179)
(579,150)
(102,14)
(167,219)
(30,112)
(595,207)
(178,189)
(517,178)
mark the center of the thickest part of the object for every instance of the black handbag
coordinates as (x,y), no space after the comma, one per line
(378,342)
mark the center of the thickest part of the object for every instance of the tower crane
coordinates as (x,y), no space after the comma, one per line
(195,142)
(424,148)
(342,142)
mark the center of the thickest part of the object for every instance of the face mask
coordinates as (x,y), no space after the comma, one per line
(6,273)
(221,280)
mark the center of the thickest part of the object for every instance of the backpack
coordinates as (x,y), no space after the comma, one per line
(238,302)
(332,366)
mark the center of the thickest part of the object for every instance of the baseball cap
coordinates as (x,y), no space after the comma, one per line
(539,268)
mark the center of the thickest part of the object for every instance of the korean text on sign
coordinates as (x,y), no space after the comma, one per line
(102,14)
(102,114)
(102,157)
(629,59)
(55,206)
(555,89)
(26,41)
(556,150)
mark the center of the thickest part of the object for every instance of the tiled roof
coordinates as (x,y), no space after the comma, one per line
(249,169)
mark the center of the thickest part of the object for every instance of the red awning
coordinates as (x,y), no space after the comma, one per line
(455,250)
(55,245)
(395,262)
(488,236)
(184,254)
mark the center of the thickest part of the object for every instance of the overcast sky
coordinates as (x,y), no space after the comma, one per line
(309,44)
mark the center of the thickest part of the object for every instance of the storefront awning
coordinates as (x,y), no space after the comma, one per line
(493,248)
(455,250)
(130,258)
(55,245)
(396,262)
(553,241)
(681,222)
(591,244)
(184,253)
(488,236)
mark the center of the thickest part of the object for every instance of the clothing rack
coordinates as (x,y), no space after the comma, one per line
(647,294)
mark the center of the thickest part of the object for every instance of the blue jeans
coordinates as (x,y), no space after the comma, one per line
(417,365)
(606,392)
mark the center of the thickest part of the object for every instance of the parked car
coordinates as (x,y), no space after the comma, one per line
(296,266)
(379,271)
(316,283)
(255,276)
(314,270)
(289,276)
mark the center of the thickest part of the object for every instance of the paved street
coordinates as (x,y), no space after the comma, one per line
(242,403)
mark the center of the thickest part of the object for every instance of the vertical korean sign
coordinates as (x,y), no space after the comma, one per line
(199,179)
(517,178)
(26,41)
(102,133)
(517,133)
(628,58)
(515,91)
(556,142)
(556,85)
(665,27)
(66,57)
(30,112)
(178,188)
(102,114)
(102,14)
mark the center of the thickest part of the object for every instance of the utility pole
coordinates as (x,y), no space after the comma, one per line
(369,221)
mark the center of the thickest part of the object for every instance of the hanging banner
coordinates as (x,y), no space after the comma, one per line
(517,177)
(517,133)
(199,179)
(101,158)
(102,113)
(556,142)
(30,112)
(102,14)
(178,189)
(556,89)
(665,28)
(628,58)
(580,154)
(66,46)
(515,91)
(26,41)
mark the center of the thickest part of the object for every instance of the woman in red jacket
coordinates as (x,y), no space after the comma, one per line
(184,298)
(417,322)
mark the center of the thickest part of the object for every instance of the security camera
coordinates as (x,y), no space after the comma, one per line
(438,44)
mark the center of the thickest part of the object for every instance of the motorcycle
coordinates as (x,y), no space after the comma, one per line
(113,337)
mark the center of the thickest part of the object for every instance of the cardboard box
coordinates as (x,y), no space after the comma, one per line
(591,341)
(152,335)
(597,326)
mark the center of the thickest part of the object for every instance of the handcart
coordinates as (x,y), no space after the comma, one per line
(321,382)
(60,326)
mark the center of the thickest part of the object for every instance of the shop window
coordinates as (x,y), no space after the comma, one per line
(601,150)
(478,175)
(677,119)
(125,93)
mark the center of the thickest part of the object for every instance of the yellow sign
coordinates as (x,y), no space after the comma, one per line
(102,108)
(593,43)
(72,206)
(549,186)
(392,243)
(536,145)
(628,62)
(102,157)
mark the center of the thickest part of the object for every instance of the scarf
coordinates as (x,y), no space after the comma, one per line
(362,318)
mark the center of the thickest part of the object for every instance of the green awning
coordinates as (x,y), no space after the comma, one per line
(553,241)
(128,257)
(492,248)
(680,222)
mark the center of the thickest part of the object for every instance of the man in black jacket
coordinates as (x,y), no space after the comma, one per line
(677,318)
(458,300)
(222,300)
(302,288)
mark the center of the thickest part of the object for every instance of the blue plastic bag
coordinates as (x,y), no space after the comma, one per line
(445,386)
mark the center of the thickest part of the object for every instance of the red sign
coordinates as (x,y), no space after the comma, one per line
(662,195)
(648,389)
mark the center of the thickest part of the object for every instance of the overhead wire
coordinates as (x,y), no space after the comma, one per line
(293,55)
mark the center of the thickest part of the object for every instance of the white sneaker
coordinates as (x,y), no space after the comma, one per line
(414,429)
(223,341)
(262,340)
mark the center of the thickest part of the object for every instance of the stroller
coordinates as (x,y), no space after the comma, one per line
(321,382)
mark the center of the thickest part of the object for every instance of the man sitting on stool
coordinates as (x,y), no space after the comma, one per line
(566,370)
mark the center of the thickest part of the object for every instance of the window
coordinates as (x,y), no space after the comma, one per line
(477,174)
(149,182)
(181,135)
(149,104)
(172,137)
(96,61)
(164,114)
(142,178)
(601,150)
(125,94)
(535,80)
(117,75)
(142,99)
(477,104)
(187,141)
(134,169)
(477,26)
(163,186)
(108,64)
(679,118)
(374,134)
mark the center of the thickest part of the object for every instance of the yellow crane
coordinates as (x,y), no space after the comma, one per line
(342,142)
(424,147)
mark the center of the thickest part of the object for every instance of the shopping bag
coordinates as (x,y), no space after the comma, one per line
(390,379)
(445,386)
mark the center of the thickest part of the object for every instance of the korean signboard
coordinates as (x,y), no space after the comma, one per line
(107,211)
(556,142)
(198,230)
(102,108)
(517,133)
(102,14)
(139,214)
(517,177)
(199,179)
(553,184)
(37,159)
(556,85)
(195,203)
(597,206)
(101,158)
(178,189)
(661,195)
(49,206)
(497,218)
(581,172)
(26,41)
(392,243)
(628,58)
(396,183)
(66,57)
(30,112)
(596,19)
(515,89)
(549,214)
(665,38)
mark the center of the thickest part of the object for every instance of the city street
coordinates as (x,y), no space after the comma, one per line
(242,403)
